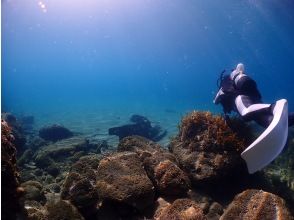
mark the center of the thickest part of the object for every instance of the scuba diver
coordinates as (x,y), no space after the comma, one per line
(239,93)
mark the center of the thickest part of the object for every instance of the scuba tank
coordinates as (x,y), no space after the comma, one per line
(227,92)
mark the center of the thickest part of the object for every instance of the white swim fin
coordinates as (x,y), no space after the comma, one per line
(271,142)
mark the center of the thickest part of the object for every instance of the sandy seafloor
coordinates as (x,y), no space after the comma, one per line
(94,122)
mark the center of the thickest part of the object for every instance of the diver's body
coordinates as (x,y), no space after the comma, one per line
(239,93)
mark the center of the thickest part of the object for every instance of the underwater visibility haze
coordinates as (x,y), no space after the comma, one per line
(147,56)
(93,70)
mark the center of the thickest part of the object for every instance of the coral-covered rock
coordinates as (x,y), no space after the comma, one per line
(83,193)
(69,182)
(62,210)
(257,204)
(159,205)
(86,163)
(34,191)
(215,211)
(55,209)
(207,148)
(35,210)
(280,173)
(167,177)
(55,133)
(86,168)
(79,186)
(11,191)
(19,139)
(160,165)
(139,145)
(181,209)
(121,178)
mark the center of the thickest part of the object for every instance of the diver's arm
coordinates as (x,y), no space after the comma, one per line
(218,96)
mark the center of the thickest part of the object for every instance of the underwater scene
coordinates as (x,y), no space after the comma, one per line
(147,109)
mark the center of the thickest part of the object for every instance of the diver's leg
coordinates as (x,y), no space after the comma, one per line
(261,113)
(291,119)
(264,119)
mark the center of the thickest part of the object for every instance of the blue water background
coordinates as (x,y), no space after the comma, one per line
(96,62)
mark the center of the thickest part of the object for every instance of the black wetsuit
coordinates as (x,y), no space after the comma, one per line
(241,95)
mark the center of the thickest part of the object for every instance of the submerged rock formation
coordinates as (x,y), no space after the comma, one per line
(19,139)
(62,210)
(11,191)
(181,209)
(161,166)
(257,204)
(207,148)
(122,179)
(34,191)
(70,179)
(141,126)
(59,151)
(53,210)
(80,185)
(54,133)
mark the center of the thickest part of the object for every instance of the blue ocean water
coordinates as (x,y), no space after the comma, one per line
(91,64)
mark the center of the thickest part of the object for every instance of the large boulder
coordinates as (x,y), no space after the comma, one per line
(122,179)
(54,133)
(257,204)
(161,166)
(207,148)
